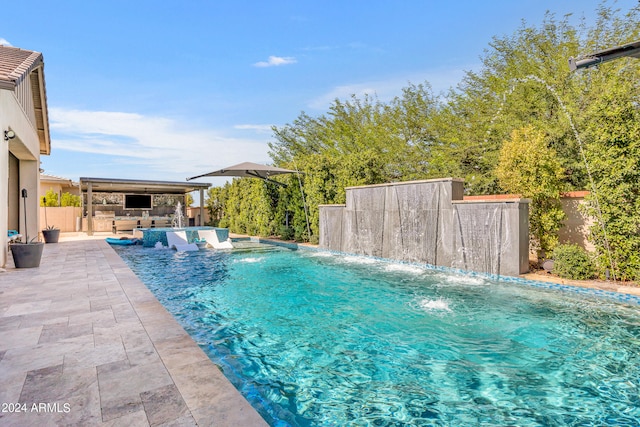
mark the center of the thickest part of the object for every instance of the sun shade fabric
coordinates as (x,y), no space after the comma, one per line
(247,170)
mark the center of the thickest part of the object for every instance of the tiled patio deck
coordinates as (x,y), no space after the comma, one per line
(84,342)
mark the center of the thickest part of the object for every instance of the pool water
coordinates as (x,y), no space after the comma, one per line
(316,339)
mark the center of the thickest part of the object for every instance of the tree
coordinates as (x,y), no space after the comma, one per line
(249,206)
(612,134)
(69,199)
(50,199)
(529,167)
(358,142)
(589,118)
(216,199)
(517,86)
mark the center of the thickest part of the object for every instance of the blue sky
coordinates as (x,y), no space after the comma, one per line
(167,90)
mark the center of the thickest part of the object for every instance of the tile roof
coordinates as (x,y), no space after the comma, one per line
(15,64)
(22,71)
(54,178)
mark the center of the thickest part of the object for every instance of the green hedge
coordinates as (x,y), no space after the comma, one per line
(572,262)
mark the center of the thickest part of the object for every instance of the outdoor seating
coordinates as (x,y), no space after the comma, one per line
(178,240)
(159,223)
(124,225)
(211,236)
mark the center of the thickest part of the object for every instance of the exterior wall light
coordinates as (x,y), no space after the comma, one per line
(9,134)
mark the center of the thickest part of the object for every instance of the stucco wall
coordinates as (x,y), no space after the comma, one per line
(64,218)
(576,227)
(26,148)
(193,213)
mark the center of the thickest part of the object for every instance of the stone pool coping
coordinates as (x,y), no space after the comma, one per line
(84,342)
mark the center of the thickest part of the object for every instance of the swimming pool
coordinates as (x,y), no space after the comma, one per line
(315,339)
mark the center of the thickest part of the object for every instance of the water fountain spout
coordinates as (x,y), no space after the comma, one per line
(178,217)
(564,109)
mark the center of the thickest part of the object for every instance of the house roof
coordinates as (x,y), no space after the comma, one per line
(19,66)
(57,179)
(15,64)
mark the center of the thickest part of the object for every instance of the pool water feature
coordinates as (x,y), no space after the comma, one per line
(317,339)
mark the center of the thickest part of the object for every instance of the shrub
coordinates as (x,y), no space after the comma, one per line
(286,233)
(530,167)
(69,199)
(572,262)
(50,199)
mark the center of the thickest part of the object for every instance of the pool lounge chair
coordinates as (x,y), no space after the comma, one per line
(212,239)
(178,240)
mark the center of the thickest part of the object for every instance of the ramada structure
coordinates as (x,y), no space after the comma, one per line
(24,129)
(136,203)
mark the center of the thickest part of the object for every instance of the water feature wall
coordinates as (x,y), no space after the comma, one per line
(492,236)
(428,222)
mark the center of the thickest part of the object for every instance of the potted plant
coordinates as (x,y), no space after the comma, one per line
(26,254)
(51,234)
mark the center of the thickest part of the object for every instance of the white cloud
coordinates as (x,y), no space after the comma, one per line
(4,42)
(157,147)
(275,61)
(257,128)
(441,80)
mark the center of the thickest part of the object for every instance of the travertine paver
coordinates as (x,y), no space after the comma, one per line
(84,342)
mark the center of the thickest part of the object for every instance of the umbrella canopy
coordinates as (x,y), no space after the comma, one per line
(248,170)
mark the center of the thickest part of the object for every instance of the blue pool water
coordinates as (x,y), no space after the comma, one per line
(315,339)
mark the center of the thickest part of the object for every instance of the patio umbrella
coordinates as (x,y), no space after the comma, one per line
(255,170)
(248,170)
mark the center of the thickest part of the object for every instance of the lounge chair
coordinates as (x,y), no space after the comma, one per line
(178,241)
(212,239)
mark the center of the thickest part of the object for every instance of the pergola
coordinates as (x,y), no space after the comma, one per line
(128,186)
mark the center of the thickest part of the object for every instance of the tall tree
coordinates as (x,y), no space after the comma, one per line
(611,122)
(522,82)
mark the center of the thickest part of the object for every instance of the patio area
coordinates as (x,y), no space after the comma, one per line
(84,342)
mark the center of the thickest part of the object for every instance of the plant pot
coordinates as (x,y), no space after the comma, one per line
(26,255)
(51,236)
